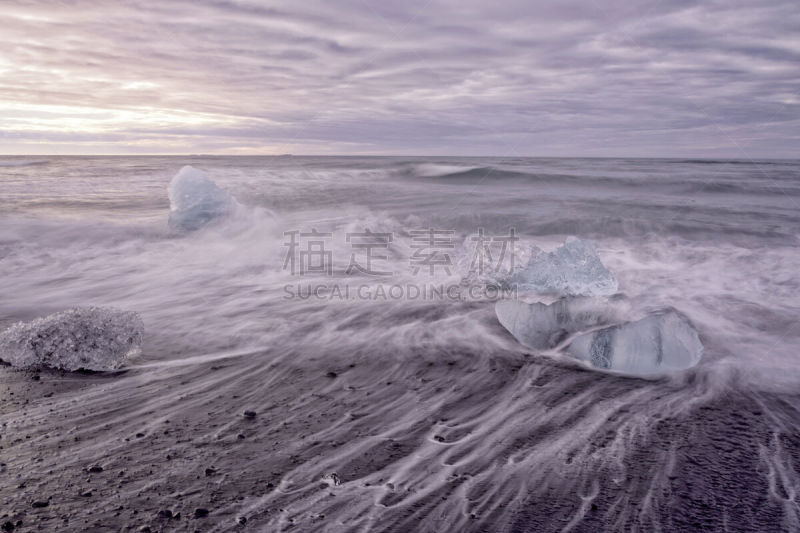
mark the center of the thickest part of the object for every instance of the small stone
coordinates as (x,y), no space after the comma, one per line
(240,436)
(139,435)
(145,529)
(242,520)
(8,526)
(200,513)
(210,471)
(331,374)
(39,504)
(95,469)
(165,513)
(438,438)
(332,479)
(249,414)
(86,494)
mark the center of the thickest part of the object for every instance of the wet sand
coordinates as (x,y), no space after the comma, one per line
(462,442)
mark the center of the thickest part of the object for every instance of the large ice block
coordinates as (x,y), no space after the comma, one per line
(543,327)
(657,344)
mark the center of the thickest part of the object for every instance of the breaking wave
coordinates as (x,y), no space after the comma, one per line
(23,162)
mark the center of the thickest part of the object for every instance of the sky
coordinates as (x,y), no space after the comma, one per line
(669,78)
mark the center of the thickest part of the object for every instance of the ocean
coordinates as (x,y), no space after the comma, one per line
(384,396)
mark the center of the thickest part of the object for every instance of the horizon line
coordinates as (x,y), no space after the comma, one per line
(705,158)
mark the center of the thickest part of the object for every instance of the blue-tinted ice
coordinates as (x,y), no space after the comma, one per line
(195,200)
(572,269)
(660,343)
(657,344)
(542,327)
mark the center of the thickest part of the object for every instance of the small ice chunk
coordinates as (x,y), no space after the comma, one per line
(657,344)
(195,200)
(88,338)
(572,269)
(543,327)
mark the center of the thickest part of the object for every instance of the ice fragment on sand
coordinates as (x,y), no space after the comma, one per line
(657,344)
(88,338)
(543,327)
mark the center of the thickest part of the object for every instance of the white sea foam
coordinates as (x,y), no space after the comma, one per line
(430,170)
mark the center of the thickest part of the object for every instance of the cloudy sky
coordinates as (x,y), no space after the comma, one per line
(462,77)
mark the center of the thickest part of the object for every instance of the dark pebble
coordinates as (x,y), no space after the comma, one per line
(241,520)
(39,504)
(438,438)
(240,436)
(331,374)
(210,471)
(249,414)
(96,469)
(86,494)
(8,526)
(139,435)
(200,513)
(165,513)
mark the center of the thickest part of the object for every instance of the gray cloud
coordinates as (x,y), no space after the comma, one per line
(571,77)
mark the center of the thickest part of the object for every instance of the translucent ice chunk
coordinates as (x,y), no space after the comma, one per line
(195,200)
(89,338)
(572,269)
(656,344)
(543,327)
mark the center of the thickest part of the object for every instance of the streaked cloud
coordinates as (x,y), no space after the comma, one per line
(419,77)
